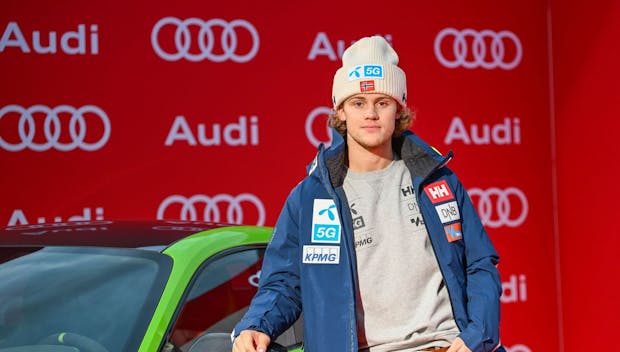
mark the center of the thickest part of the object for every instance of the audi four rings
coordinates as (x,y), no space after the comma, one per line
(78,127)
(205,40)
(474,55)
(496,206)
(234,205)
(310,120)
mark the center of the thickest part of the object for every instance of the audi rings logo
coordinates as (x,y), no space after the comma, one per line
(500,207)
(200,43)
(254,279)
(472,49)
(51,121)
(236,209)
(518,348)
(316,123)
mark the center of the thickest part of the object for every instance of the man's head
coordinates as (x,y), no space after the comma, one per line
(370,66)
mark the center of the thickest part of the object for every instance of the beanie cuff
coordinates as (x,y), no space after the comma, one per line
(382,78)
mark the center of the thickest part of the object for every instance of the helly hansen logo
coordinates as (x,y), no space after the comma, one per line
(321,255)
(407,191)
(438,192)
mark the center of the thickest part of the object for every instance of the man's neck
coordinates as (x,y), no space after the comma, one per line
(365,160)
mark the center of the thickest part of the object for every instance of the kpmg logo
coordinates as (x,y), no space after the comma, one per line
(227,46)
(325,222)
(79,42)
(321,255)
(317,122)
(471,49)
(365,71)
(500,207)
(55,124)
(235,208)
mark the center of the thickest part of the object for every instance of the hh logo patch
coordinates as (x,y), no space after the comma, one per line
(321,255)
(325,222)
(438,192)
(453,232)
(448,212)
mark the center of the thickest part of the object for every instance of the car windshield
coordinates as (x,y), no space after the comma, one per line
(104,296)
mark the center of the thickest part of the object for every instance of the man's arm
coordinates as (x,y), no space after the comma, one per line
(277,304)
(483,282)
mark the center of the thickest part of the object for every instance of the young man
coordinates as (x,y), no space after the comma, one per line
(379,245)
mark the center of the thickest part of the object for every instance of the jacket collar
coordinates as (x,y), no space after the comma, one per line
(330,163)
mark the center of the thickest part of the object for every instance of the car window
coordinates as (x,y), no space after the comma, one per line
(106,296)
(219,295)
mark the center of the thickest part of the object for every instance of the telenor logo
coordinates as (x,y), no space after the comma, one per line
(325,222)
(365,71)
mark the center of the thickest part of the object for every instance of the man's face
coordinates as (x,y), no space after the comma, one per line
(370,119)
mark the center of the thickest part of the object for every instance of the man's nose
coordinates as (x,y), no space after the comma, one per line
(371,112)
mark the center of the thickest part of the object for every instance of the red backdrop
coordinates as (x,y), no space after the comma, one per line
(587,106)
(203,111)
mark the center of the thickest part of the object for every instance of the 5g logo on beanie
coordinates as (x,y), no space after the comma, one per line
(365,71)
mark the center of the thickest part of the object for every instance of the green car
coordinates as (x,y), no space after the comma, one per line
(125,286)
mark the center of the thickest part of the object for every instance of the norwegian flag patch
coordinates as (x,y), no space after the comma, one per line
(367,86)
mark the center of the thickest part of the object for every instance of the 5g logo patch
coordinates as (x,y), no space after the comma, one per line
(325,222)
(365,72)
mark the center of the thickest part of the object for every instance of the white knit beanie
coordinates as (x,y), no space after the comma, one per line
(369,66)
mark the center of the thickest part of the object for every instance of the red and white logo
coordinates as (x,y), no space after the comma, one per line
(438,192)
(83,41)
(219,208)
(322,46)
(317,126)
(367,86)
(18,217)
(194,39)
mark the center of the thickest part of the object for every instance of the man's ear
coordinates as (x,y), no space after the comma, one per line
(341,114)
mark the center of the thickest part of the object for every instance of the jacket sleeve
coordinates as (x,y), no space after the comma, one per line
(483,284)
(277,304)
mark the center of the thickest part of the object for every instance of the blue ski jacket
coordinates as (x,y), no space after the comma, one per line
(310,263)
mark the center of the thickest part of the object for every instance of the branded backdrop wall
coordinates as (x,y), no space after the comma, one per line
(587,106)
(194,110)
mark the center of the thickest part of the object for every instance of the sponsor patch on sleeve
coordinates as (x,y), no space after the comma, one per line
(453,232)
(321,255)
(448,212)
(439,192)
